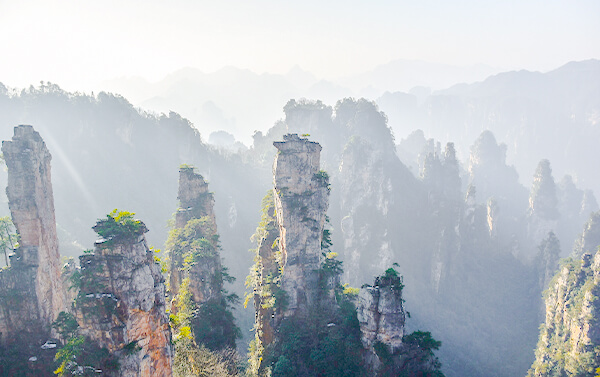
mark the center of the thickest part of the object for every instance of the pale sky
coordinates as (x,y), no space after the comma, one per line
(78,44)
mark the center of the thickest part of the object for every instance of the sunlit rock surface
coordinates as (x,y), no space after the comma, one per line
(122,306)
(301,202)
(570,337)
(31,204)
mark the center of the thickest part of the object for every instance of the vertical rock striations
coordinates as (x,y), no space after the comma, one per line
(31,291)
(267,274)
(121,303)
(570,337)
(301,202)
(306,321)
(366,199)
(287,280)
(195,218)
(387,351)
(589,240)
(200,306)
(381,317)
(195,201)
(569,340)
(31,204)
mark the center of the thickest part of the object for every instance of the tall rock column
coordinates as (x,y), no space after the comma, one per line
(381,317)
(301,200)
(31,204)
(196,275)
(543,203)
(195,203)
(121,303)
(267,273)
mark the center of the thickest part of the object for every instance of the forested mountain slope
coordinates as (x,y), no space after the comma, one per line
(465,234)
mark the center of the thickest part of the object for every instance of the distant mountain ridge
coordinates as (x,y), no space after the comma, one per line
(250,101)
(551,115)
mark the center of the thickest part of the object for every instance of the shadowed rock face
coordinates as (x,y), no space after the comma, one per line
(121,306)
(194,198)
(34,278)
(196,202)
(381,316)
(589,240)
(301,202)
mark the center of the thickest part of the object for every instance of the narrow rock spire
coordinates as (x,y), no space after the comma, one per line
(31,205)
(301,201)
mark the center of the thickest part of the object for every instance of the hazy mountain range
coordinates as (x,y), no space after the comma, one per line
(108,154)
(538,115)
(240,101)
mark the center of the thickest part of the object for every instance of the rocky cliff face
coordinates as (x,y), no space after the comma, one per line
(196,202)
(366,193)
(121,305)
(267,273)
(570,337)
(589,240)
(285,278)
(387,351)
(301,202)
(199,305)
(31,291)
(381,317)
(37,259)
(297,294)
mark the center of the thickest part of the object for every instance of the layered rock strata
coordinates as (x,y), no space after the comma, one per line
(121,305)
(301,196)
(31,291)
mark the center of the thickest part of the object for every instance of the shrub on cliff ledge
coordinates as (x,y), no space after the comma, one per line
(119,225)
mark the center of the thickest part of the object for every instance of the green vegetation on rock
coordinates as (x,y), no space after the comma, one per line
(119,226)
(568,343)
(78,356)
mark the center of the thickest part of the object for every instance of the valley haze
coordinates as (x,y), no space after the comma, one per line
(446,152)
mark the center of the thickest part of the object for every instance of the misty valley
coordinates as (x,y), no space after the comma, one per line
(449,233)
